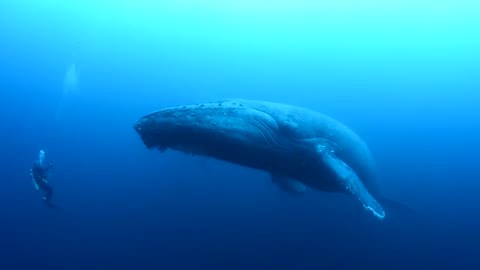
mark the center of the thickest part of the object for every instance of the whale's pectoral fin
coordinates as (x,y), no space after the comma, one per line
(288,185)
(348,178)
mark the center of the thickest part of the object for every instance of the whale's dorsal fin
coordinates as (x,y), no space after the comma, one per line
(288,185)
(349,179)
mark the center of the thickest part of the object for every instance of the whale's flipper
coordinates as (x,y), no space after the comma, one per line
(288,185)
(349,179)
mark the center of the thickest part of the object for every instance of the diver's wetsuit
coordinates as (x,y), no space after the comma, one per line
(39,175)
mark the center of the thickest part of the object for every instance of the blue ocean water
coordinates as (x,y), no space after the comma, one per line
(75,76)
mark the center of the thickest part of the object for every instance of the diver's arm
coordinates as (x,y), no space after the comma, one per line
(50,164)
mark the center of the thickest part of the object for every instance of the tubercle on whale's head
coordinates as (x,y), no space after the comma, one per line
(141,126)
(192,128)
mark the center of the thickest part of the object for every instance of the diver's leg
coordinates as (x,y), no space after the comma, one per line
(48,193)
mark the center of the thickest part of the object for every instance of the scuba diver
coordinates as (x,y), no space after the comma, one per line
(39,174)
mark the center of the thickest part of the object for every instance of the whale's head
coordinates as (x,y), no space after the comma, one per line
(204,128)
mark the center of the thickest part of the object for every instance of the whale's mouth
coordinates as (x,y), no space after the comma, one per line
(138,127)
(147,139)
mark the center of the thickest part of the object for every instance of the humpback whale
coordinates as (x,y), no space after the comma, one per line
(299,147)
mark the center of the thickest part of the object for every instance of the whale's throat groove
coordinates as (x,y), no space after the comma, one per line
(270,136)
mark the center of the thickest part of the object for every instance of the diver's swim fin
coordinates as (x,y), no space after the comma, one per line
(49,204)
